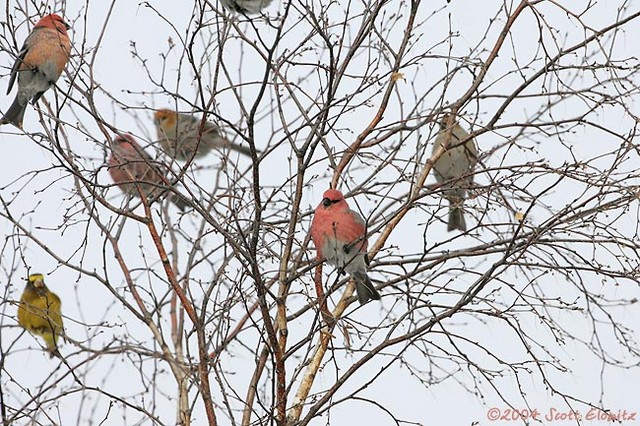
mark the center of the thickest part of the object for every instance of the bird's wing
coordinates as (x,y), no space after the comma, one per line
(16,65)
(211,127)
(208,129)
(356,231)
(358,217)
(54,310)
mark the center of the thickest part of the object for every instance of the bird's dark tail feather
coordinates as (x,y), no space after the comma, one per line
(15,114)
(456,219)
(54,353)
(179,201)
(242,149)
(365,288)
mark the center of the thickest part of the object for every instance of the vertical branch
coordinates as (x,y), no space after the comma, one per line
(203,369)
(283,280)
(273,341)
(321,296)
(252,389)
(315,362)
(177,320)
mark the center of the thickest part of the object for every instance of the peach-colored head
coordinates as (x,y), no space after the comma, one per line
(54,22)
(165,118)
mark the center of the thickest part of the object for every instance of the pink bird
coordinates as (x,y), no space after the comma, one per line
(339,235)
(133,171)
(38,66)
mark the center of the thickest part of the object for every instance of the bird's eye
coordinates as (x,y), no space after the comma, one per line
(326,202)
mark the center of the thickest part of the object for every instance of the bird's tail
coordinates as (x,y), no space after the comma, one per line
(365,288)
(15,114)
(179,201)
(456,214)
(54,353)
(240,148)
(456,219)
(52,345)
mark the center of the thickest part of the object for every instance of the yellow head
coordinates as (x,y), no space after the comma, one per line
(37,280)
(165,119)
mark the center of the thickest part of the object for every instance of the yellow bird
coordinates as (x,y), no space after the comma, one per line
(39,313)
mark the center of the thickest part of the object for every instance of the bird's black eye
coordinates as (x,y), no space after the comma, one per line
(328,201)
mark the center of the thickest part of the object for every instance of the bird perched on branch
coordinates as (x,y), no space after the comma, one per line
(339,235)
(38,66)
(250,7)
(184,136)
(134,171)
(454,168)
(40,313)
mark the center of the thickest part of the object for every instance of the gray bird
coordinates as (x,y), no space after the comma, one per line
(183,136)
(454,170)
(250,7)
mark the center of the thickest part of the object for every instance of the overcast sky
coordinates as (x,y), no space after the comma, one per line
(44,204)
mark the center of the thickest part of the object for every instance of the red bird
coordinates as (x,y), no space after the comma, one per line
(39,65)
(133,171)
(339,235)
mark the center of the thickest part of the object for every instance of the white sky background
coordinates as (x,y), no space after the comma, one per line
(45,198)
